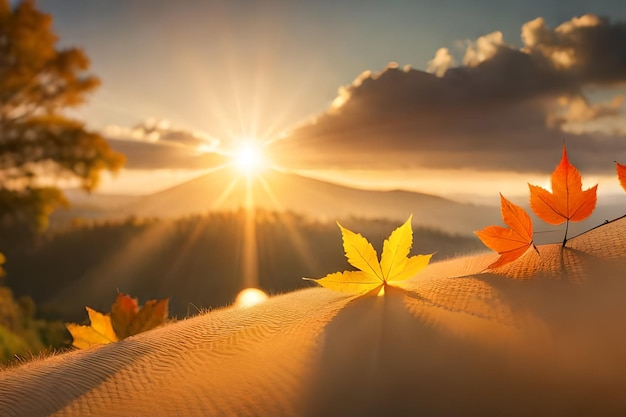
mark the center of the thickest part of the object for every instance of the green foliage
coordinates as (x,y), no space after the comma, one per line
(30,205)
(195,261)
(38,143)
(11,345)
(21,332)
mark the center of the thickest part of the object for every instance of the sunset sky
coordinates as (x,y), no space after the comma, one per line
(458,98)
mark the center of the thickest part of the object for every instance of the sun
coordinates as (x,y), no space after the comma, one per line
(249,159)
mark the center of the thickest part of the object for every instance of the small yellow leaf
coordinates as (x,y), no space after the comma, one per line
(394,265)
(395,250)
(412,266)
(99,332)
(348,281)
(101,323)
(126,319)
(360,253)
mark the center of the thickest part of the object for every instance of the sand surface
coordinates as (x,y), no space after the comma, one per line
(545,336)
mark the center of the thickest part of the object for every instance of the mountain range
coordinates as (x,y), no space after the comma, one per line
(326,201)
(283,191)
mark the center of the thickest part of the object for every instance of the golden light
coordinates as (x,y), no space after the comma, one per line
(250,297)
(249,159)
(206,148)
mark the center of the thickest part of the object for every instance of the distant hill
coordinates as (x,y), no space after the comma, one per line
(222,191)
(311,197)
(92,206)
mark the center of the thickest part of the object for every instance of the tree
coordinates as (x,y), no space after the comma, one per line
(39,144)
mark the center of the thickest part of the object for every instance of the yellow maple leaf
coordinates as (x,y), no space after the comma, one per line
(394,265)
(99,332)
(126,319)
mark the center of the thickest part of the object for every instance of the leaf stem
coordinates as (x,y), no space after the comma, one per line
(565,237)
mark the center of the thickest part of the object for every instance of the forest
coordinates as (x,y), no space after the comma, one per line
(194,261)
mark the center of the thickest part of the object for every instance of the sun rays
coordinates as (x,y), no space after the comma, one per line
(250,253)
(245,113)
(252,179)
(247,110)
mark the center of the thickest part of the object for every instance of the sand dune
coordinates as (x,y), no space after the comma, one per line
(542,336)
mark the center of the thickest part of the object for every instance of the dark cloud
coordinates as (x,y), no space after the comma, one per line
(587,49)
(154,144)
(161,131)
(502,109)
(146,155)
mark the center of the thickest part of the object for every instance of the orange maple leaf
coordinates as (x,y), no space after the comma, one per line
(567,201)
(126,319)
(621,174)
(511,242)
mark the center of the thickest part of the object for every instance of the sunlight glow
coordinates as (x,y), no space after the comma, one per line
(206,148)
(295,235)
(250,297)
(249,159)
(250,255)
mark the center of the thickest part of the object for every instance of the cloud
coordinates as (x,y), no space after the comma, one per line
(578,109)
(502,109)
(442,61)
(155,144)
(484,49)
(161,130)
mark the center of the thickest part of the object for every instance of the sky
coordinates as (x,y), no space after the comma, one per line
(459,98)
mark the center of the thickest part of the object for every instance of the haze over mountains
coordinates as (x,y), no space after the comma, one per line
(282,191)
